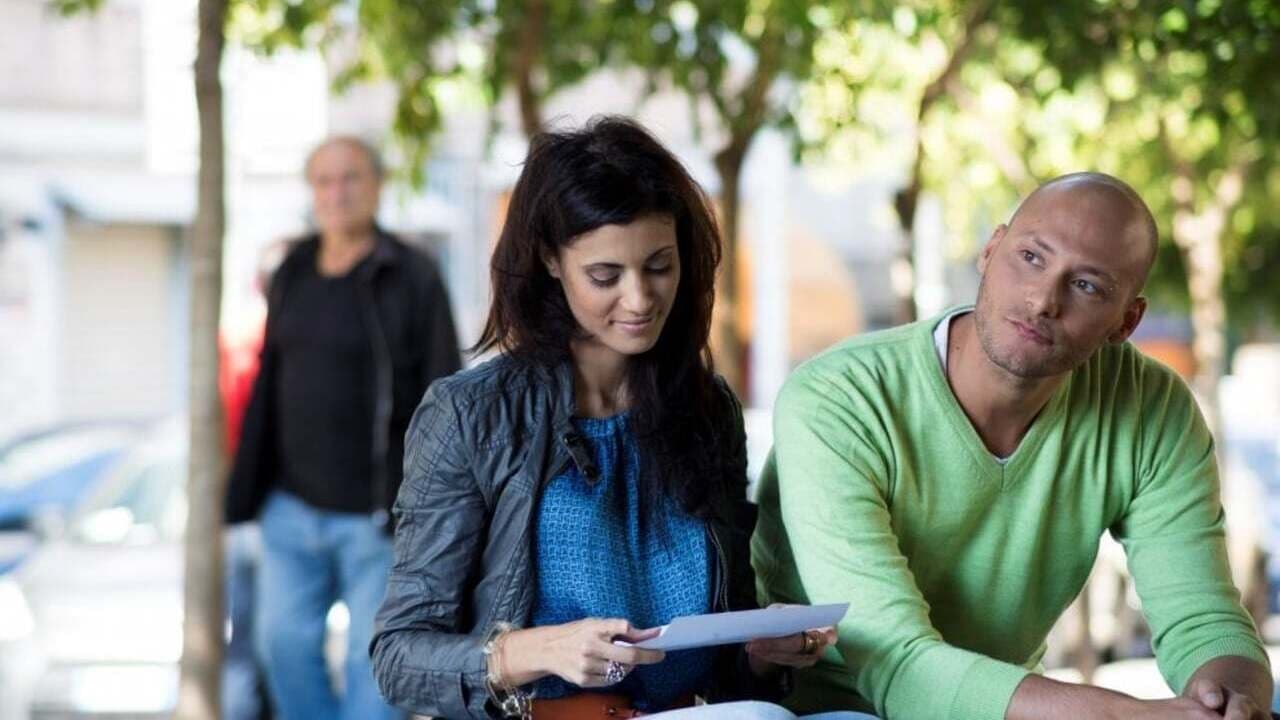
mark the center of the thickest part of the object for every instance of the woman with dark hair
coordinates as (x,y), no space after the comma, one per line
(591,479)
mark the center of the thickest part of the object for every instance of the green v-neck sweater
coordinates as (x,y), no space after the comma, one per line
(880,493)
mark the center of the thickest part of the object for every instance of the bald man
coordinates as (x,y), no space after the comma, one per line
(951,479)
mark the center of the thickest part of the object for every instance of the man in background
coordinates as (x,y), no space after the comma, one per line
(358,325)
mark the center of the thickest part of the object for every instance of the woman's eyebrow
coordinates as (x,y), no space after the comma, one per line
(616,265)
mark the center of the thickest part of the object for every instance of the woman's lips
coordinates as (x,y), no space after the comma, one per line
(634,327)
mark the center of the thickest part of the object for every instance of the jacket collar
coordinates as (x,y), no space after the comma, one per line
(559,379)
(385,248)
(560,383)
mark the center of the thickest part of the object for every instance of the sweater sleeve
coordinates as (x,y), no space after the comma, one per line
(1173,536)
(833,481)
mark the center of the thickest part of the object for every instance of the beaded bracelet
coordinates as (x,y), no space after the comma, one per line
(511,701)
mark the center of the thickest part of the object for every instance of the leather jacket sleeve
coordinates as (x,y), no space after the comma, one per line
(424,657)
(254,462)
(255,465)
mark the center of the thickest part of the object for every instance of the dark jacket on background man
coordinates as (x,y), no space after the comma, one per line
(412,340)
(481,448)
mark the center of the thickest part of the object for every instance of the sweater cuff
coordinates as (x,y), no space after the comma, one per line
(948,683)
(1244,647)
(986,689)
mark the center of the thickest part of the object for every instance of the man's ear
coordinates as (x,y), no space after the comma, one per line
(984,257)
(1132,316)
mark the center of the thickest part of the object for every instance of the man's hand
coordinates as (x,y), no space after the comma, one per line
(1223,701)
(1039,698)
(1235,688)
(1182,708)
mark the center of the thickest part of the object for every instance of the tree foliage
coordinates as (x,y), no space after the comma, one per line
(737,60)
(1188,99)
(740,63)
(68,8)
(924,81)
(434,51)
(1151,92)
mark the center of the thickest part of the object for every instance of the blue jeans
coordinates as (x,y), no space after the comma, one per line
(310,559)
(242,682)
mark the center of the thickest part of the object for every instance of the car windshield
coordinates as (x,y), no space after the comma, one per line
(28,459)
(143,500)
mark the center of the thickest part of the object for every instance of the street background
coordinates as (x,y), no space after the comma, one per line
(860,154)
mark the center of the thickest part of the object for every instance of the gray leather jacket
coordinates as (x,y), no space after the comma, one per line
(479,449)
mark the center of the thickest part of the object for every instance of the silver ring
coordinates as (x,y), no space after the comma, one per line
(615,672)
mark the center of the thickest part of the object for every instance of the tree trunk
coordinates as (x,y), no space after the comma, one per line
(202,627)
(902,269)
(1086,656)
(742,116)
(1201,247)
(532,36)
(732,351)
(902,273)
(1199,236)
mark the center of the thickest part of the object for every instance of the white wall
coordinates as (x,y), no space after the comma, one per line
(116,339)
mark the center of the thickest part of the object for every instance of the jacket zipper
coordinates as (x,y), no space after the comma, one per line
(721,601)
(382,405)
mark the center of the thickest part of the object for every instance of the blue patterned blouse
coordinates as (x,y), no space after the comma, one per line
(593,560)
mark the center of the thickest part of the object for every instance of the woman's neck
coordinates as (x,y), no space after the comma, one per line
(599,379)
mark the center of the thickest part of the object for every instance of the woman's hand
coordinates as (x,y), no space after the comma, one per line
(799,650)
(579,652)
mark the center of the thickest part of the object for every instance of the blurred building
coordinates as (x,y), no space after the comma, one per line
(98,142)
(91,252)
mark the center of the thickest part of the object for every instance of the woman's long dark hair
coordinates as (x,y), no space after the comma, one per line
(613,172)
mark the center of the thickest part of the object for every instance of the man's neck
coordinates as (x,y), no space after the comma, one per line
(999,405)
(599,379)
(342,250)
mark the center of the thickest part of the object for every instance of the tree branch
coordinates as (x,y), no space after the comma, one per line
(906,198)
(1183,187)
(753,101)
(1006,157)
(1231,187)
(934,91)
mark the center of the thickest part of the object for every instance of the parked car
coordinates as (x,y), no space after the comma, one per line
(43,474)
(91,623)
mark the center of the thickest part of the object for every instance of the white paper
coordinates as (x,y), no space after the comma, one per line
(735,627)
